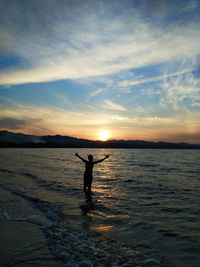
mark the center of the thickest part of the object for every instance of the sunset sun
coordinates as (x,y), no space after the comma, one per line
(103,135)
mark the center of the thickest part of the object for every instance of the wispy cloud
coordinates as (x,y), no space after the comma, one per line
(97,92)
(63,100)
(113,106)
(142,110)
(197,104)
(181,91)
(49,120)
(128,83)
(11,123)
(134,66)
(107,45)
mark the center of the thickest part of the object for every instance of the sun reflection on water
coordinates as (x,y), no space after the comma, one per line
(102,228)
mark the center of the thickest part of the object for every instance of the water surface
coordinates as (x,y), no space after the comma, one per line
(144,208)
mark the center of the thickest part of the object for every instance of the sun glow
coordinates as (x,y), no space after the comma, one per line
(103,135)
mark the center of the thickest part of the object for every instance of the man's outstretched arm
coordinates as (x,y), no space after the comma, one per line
(80,157)
(107,156)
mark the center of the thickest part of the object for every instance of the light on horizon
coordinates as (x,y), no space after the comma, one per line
(103,135)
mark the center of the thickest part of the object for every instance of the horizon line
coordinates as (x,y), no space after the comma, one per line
(96,140)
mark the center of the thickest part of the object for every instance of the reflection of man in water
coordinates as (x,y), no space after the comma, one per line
(88,170)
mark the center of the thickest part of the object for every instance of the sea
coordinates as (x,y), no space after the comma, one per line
(144,209)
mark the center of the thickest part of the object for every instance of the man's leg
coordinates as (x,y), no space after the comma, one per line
(85,185)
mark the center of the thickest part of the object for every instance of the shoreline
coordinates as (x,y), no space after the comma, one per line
(22,241)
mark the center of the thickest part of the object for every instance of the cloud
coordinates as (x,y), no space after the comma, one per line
(113,106)
(62,99)
(13,124)
(51,120)
(143,60)
(197,104)
(161,9)
(143,110)
(128,83)
(181,91)
(86,123)
(97,92)
(75,42)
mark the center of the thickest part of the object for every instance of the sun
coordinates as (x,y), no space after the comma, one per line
(103,135)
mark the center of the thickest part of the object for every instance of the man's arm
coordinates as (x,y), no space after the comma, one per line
(80,157)
(107,156)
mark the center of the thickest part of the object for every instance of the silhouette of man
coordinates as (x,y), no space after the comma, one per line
(89,164)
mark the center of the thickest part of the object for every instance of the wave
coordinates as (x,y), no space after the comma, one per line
(8,171)
(78,248)
(5,214)
(91,249)
(51,211)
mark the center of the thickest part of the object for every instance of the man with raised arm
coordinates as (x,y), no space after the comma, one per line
(89,164)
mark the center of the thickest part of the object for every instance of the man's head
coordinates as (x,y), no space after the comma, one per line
(90,157)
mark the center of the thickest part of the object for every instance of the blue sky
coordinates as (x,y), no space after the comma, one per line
(78,67)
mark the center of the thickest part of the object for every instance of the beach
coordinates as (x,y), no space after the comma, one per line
(22,241)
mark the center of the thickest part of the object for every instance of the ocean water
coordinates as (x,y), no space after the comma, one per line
(144,210)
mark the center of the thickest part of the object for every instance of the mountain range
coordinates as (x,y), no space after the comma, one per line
(10,139)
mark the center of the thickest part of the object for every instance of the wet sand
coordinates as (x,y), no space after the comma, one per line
(22,242)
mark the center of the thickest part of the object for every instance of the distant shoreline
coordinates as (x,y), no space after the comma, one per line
(19,140)
(196,147)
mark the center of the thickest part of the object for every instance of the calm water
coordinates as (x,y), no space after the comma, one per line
(144,210)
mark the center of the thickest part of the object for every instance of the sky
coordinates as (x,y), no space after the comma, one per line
(76,67)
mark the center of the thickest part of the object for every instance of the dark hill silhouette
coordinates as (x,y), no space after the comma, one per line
(9,139)
(19,138)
